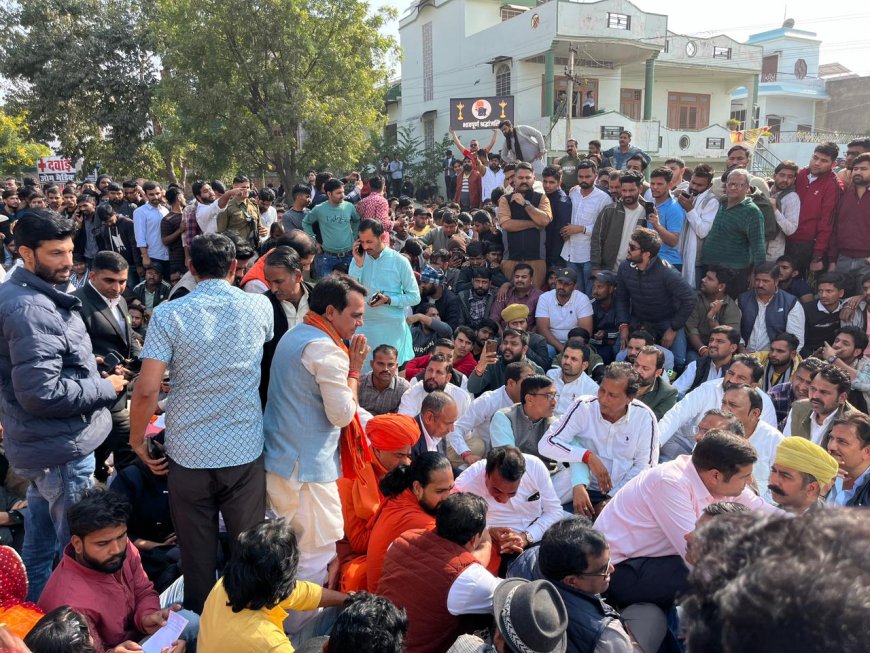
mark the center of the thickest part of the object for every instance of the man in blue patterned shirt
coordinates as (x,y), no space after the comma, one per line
(211,342)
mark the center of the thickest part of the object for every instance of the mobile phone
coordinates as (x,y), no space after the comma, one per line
(360,250)
(374,299)
(111,361)
(687,194)
(491,346)
(649,208)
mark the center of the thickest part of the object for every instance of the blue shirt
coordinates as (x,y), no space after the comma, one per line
(671,216)
(211,342)
(839,496)
(146,227)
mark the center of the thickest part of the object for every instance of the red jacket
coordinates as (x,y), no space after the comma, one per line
(113,604)
(851,226)
(475,190)
(416,365)
(818,202)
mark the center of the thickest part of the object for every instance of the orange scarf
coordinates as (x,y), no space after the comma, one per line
(354,445)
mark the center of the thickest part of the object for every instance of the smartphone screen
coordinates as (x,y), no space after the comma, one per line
(491,346)
(649,208)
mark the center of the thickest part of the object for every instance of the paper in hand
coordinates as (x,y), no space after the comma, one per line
(164,637)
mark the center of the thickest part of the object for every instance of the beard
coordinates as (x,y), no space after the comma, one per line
(52,276)
(431,386)
(109,566)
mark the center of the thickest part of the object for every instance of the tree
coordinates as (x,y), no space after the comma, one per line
(84,73)
(18,153)
(288,84)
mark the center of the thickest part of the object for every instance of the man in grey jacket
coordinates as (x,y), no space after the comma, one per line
(523,143)
(53,401)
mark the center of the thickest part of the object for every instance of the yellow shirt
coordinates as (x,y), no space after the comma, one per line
(419,233)
(251,631)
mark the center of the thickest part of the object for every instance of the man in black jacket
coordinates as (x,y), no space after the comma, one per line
(649,291)
(117,235)
(104,312)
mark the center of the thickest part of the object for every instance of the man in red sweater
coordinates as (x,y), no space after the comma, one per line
(849,251)
(100,576)
(819,190)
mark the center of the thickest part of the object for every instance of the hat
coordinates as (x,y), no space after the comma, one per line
(391,432)
(807,457)
(515,312)
(606,276)
(531,616)
(431,275)
(566,274)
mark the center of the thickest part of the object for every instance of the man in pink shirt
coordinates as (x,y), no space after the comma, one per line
(100,576)
(646,521)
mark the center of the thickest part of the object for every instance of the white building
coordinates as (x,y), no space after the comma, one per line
(672,92)
(790,90)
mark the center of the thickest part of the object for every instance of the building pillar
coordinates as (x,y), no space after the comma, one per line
(751,121)
(649,81)
(549,81)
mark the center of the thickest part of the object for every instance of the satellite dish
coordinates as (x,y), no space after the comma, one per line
(788,22)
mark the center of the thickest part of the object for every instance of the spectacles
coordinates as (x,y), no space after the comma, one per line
(551,396)
(633,248)
(601,574)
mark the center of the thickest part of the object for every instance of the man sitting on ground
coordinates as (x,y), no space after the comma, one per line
(436,378)
(576,559)
(100,575)
(654,391)
(785,394)
(646,522)
(516,317)
(717,354)
(570,377)
(245,610)
(450,563)
(381,390)
(799,474)
(489,373)
(521,501)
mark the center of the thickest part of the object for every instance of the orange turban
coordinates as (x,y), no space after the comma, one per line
(392,432)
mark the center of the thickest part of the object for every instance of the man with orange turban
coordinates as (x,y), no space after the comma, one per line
(391,438)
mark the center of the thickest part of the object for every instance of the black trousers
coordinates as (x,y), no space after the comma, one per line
(195,498)
(648,580)
(116,443)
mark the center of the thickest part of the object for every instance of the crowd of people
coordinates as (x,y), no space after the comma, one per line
(581,405)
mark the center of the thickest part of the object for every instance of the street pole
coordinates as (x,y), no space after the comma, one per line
(570,110)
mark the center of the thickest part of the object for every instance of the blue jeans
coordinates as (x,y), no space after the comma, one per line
(326,263)
(50,494)
(584,271)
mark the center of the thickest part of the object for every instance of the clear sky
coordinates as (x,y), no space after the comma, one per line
(841,26)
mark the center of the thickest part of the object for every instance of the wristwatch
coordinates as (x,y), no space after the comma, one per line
(831,359)
(527,203)
(529,538)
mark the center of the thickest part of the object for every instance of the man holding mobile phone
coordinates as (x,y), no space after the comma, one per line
(389,277)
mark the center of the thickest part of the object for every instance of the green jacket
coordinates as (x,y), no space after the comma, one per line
(661,397)
(241,217)
(801,414)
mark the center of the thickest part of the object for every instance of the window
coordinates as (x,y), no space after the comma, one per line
(769,66)
(429,134)
(618,21)
(688,111)
(503,80)
(740,116)
(391,134)
(509,11)
(721,53)
(630,102)
(428,76)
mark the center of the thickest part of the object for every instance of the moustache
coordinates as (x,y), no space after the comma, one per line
(774,489)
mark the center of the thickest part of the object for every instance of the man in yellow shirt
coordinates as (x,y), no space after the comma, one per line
(246,609)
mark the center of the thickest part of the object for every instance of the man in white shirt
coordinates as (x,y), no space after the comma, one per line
(612,435)
(521,501)
(493,176)
(766,311)
(678,427)
(786,205)
(474,423)
(146,226)
(701,206)
(570,378)
(560,310)
(587,202)
(436,377)
(744,402)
